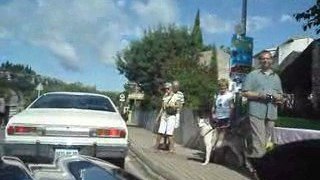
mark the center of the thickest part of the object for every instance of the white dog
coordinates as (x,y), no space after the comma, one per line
(213,138)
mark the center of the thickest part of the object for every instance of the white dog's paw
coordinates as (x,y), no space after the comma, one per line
(205,163)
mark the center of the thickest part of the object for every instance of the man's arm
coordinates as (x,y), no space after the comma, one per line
(252,95)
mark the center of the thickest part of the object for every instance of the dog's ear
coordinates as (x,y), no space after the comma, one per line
(201,122)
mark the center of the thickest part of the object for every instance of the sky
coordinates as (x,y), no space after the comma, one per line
(77,40)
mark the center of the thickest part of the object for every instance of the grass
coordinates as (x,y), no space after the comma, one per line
(298,123)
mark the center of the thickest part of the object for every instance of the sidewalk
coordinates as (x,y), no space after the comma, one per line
(183,164)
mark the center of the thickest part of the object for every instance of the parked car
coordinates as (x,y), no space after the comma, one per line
(77,167)
(68,123)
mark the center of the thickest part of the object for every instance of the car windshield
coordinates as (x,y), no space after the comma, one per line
(74,101)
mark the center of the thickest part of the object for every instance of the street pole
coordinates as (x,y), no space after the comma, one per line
(238,81)
(244,17)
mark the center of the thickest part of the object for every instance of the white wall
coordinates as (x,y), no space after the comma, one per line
(298,45)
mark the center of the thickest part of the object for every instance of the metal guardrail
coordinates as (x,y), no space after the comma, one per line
(288,135)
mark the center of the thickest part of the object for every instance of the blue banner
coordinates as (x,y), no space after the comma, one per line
(241,57)
(241,50)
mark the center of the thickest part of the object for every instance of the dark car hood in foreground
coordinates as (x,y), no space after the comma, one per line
(65,168)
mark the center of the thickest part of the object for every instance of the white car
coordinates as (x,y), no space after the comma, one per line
(68,123)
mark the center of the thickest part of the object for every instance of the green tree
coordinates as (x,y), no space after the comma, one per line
(146,61)
(196,32)
(311,16)
(167,54)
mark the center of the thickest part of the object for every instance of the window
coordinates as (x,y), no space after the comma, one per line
(74,101)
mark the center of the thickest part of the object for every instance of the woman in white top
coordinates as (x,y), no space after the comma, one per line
(223,105)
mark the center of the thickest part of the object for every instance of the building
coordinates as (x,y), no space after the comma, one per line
(223,61)
(290,47)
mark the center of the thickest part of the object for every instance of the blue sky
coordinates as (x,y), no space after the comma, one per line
(76,40)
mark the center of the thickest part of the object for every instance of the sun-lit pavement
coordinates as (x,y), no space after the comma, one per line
(184,164)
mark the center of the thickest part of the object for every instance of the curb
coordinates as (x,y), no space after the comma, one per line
(145,167)
(159,171)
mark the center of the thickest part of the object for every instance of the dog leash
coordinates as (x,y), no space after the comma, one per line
(208,132)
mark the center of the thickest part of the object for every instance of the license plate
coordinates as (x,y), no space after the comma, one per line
(65,152)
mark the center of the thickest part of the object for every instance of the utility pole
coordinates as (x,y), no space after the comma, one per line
(241,58)
(244,17)
(238,98)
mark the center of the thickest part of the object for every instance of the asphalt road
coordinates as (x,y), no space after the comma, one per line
(132,164)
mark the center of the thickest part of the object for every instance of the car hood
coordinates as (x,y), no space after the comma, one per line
(73,117)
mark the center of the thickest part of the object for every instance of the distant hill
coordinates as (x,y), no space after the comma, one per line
(23,80)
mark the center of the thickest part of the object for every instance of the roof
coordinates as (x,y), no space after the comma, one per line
(75,93)
(296,38)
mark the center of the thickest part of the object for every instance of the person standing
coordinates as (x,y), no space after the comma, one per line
(167,117)
(262,87)
(223,107)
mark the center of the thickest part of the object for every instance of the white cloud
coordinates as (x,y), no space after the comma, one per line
(71,29)
(211,23)
(153,12)
(256,23)
(63,50)
(121,3)
(65,27)
(4,33)
(286,18)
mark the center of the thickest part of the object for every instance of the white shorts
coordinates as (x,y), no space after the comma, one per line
(167,124)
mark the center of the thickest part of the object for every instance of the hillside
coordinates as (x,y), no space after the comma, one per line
(21,80)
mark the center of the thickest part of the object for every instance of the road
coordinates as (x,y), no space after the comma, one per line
(132,163)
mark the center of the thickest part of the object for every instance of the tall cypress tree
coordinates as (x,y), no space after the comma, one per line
(196,32)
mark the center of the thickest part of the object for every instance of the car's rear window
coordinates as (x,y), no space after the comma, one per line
(74,101)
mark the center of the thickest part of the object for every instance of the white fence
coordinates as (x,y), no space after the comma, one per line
(287,135)
(188,132)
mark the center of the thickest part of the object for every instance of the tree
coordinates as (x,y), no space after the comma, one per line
(197,33)
(167,54)
(146,61)
(311,16)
